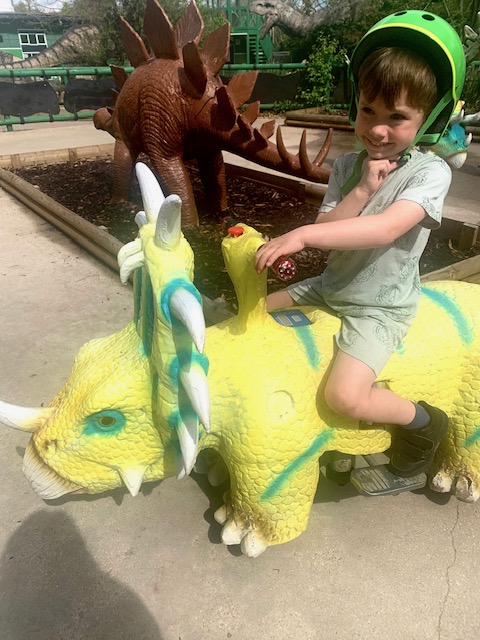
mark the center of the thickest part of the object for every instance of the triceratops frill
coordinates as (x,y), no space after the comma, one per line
(140,405)
(174,107)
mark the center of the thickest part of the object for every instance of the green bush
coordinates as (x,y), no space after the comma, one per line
(319,73)
(286,105)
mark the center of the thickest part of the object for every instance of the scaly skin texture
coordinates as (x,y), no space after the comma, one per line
(137,406)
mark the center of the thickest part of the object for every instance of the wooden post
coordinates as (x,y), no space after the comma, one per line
(468,236)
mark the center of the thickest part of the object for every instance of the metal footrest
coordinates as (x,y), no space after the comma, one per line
(379,481)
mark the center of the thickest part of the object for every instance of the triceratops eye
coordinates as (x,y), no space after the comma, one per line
(107,422)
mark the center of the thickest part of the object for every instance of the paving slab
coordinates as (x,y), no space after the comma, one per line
(153,567)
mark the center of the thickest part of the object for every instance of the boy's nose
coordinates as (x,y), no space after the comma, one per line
(379,131)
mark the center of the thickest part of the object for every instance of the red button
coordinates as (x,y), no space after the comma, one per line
(234,232)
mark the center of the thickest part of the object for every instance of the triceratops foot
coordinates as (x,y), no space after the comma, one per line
(459,482)
(211,463)
(251,541)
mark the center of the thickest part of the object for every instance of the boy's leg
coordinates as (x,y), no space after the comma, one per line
(279,300)
(349,391)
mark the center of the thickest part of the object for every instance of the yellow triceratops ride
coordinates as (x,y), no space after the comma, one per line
(140,405)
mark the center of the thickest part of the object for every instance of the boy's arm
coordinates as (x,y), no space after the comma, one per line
(364,232)
(350,207)
(374,174)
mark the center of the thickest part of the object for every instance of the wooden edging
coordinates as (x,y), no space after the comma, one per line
(95,240)
(467,270)
(301,190)
(56,156)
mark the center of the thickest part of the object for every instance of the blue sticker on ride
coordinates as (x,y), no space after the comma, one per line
(290,318)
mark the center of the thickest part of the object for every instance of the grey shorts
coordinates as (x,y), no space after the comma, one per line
(370,337)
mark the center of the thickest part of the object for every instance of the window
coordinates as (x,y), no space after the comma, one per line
(32,42)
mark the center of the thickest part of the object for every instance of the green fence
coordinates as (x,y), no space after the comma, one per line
(64,75)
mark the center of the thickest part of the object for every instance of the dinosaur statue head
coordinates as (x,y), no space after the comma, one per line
(239,248)
(98,431)
(130,409)
(454,143)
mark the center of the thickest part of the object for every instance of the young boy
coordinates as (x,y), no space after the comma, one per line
(376,218)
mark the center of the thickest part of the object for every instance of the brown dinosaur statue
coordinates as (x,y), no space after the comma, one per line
(174,107)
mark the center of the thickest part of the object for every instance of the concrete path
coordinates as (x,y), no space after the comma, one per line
(153,568)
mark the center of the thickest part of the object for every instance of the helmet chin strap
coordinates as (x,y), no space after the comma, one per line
(430,138)
(354,179)
(421,136)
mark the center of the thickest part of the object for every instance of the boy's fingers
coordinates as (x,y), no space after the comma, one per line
(261,258)
(265,257)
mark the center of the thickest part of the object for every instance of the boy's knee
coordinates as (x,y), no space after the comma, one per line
(342,400)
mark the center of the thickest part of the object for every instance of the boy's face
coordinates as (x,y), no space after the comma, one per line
(386,133)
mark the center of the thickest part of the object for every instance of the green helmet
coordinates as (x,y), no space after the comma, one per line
(432,38)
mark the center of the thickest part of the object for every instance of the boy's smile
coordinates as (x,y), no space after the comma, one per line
(386,133)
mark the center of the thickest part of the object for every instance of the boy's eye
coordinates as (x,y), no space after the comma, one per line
(367,110)
(398,116)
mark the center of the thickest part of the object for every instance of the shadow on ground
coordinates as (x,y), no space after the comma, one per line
(52,589)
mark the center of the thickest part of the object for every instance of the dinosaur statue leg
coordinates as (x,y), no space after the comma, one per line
(212,174)
(173,174)
(457,464)
(123,161)
(268,504)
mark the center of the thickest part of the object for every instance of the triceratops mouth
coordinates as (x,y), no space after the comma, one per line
(45,481)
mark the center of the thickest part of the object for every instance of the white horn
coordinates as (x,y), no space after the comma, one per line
(130,264)
(129,249)
(24,418)
(457,117)
(169,223)
(472,118)
(188,438)
(186,308)
(194,381)
(152,194)
(141,219)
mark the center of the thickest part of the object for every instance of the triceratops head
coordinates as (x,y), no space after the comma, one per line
(131,408)
(98,430)
(454,143)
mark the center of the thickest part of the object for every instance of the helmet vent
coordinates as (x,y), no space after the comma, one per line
(400,13)
(428,16)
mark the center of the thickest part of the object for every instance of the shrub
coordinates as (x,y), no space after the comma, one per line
(327,55)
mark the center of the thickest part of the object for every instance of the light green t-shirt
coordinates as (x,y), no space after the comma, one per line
(388,276)
(376,291)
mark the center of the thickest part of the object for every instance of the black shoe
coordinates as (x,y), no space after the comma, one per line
(413,450)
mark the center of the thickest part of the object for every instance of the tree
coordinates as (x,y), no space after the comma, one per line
(105,14)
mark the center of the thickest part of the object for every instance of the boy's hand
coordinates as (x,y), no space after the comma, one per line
(375,173)
(285,245)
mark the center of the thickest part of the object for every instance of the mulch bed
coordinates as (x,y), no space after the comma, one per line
(85,188)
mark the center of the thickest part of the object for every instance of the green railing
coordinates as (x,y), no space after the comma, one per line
(63,72)
(66,73)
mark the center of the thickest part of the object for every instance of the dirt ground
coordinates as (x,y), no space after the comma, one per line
(85,188)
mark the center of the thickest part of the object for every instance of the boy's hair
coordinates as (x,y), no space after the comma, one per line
(392,72)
